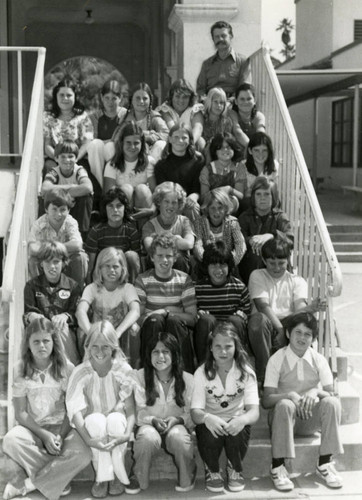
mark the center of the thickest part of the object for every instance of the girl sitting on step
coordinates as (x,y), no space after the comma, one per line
(163,395)
(100,406)
(50,453)
(224,404)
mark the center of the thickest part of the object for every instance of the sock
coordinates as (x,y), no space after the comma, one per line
(277,462)
(29,485)
(324,459)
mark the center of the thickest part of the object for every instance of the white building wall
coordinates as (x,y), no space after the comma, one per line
(344,14)
(314,31)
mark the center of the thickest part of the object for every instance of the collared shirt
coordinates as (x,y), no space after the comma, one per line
(281,293)
(287,372)
(225,402)
(165,406)
(45,396)
(45,298)
(41,230)
(226,73)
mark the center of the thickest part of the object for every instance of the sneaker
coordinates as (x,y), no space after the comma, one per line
(281,479)
(329,475)
(115,487)
(133,487)
(236,482)
(67,490)
(100,490)
(11,491)
(185,489)
(214,481)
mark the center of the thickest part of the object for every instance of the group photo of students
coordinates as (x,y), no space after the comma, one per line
(162,309)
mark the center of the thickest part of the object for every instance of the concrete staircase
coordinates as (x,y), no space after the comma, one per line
(347,242)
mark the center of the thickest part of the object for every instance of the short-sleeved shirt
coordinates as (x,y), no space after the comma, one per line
(226,73)
(281,293)
(156,293)
(125,237)
(181,226)
(164,406)
(288,372)
(225,402)
(45,398)
(112,306)
(41,230)
(79,129)
(185,117)
(129,175)
(55,176)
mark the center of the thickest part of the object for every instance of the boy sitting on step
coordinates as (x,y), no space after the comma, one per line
(276,294)
(298,389)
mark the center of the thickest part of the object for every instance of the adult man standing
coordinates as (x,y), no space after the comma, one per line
(226,68)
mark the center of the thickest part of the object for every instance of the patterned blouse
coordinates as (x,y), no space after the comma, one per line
(231,235)
(79,129)
(225,402)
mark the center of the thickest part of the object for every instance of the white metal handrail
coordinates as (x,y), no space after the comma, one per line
(314,257)
(25,210)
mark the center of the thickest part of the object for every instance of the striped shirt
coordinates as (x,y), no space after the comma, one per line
(223,301)
(158,293)
(89,393)
(125,237)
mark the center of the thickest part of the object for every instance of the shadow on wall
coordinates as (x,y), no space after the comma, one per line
(89,74)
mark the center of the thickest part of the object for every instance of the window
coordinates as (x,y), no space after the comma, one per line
(342,133)
(357,30)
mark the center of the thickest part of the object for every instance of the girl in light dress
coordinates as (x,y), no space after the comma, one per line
(100,406)
(67,120)
(111,298)
(132,170)
(50,453)
(224,404)
(163,395)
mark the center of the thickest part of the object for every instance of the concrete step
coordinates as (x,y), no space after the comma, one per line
(348,246)
(256,463)
(350,402)
(349,257)
(342,237)
(344,228)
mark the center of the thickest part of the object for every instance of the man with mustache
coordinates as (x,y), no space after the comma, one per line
(226,68)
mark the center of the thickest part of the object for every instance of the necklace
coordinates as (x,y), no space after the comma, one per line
(165,381)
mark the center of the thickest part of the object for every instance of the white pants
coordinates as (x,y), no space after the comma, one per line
(99,152)
(107,464)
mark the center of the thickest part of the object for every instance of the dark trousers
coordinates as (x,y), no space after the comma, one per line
(210,447)
(172,324)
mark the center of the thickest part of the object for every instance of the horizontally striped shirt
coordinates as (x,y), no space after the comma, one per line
(223,301)
(158,293)
(126,237)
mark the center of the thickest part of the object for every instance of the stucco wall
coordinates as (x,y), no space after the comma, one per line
(344,14)
(314,23)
